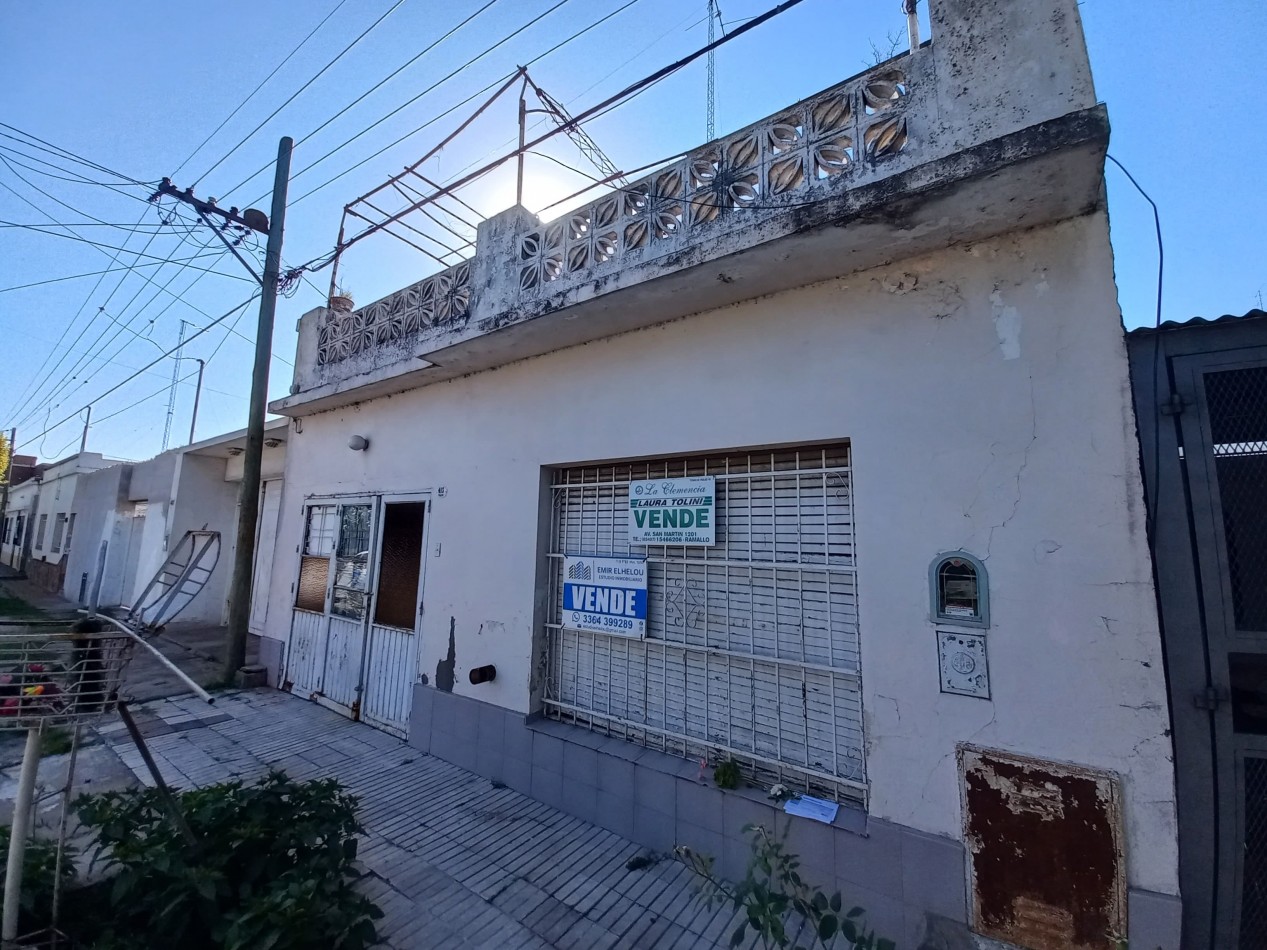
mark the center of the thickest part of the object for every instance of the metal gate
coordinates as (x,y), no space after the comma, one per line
(353,643)
(751,648)
(1201,399)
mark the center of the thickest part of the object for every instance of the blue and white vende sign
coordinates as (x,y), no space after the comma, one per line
(607,594)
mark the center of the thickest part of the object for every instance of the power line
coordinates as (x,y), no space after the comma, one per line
(372,89)
(592,86)
(300,90)
(108,247)
(1151,503)
(46,146)
(166,387)
(602,108)
(65,330)
(99,347)
(575,36)
(147,366)
(261,85)
(35,379)
(98,344)
(110,270)
(439,82)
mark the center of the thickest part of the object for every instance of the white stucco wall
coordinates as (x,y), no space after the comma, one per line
(153,482)
(204,498)
(21,502)
(100,503)
(984,390)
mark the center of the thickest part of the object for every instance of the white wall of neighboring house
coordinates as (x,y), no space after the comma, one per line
(22,502)
(983,390)
(101,502)
(56,508)
(143,510)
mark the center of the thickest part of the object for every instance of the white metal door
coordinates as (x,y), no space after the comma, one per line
(354,643)
(751,649)
(265,544)
(330,616)
(132,530)
(391,664)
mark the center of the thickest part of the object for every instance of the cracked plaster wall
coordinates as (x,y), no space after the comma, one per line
(1016,446)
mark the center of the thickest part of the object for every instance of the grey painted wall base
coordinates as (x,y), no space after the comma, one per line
(272,653)
(912,884)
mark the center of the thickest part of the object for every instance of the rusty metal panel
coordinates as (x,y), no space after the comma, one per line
(1045,851)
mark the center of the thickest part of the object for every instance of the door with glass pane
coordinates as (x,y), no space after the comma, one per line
(391,660)
(357,602)
(328,628)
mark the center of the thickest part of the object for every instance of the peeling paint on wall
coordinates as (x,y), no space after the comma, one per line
(445,668)
(1045,849)
(1007,325)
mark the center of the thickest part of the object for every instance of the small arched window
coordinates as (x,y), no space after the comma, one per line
(960,590)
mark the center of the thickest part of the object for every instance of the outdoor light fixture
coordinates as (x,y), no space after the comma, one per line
(235,450)
(358,443)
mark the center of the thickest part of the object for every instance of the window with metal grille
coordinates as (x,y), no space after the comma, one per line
(340,533)
(1237,401)
(314,564)
(59,528)
(39,532)
(70,531)
(751,650)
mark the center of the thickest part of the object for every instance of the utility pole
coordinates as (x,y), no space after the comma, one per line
(171,396)
(249,506)
(249,499)
(193,420)
(83,441)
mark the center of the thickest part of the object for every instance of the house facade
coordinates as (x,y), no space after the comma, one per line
(23,504)
(50,516)
(872,346)
(142,510)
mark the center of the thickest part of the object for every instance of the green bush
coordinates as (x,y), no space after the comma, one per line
(38,872)
(272,869)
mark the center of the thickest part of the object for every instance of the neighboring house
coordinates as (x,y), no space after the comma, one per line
(22,508)
(53,518)
(1201,399)
(14,517)
(142,510)
(917,581)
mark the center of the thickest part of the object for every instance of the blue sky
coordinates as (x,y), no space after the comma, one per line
(136,86)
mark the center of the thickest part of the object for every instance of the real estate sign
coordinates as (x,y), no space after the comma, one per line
(673,511)
(607,594)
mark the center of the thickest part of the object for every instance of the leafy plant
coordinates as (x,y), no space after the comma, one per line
(271,870)
(779,905)
(727,774)
(55,741)
(39,869)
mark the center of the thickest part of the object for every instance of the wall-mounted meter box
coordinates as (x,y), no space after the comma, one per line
(959,590)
